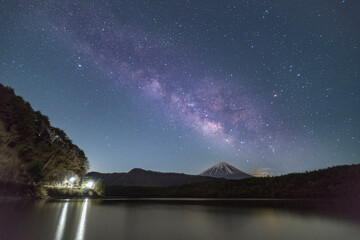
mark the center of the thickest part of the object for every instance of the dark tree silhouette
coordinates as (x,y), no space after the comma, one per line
(32,152)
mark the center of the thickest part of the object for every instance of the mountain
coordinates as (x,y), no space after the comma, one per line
(340,182)
(146,178)
(224,170)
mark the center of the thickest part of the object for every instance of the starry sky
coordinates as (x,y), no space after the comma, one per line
(267,86)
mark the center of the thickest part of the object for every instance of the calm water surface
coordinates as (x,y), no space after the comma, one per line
(178,219)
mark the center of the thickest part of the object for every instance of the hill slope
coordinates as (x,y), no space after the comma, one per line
(140,177)
(224,170)
(32,152)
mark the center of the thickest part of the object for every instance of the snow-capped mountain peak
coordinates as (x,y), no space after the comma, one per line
(224,170)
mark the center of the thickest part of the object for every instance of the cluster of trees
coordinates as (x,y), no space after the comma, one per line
(32,152)
(341,182)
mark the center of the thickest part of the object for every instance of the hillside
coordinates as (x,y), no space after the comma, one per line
(341,182)
(145,178)
(32,152)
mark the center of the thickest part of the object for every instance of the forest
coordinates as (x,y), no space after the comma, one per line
(340,182)
(33,154)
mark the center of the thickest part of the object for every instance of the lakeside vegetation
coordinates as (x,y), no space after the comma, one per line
(97,191)
(340,182)
(32,152)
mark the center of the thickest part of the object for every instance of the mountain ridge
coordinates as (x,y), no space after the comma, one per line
(337,182)
(148,178)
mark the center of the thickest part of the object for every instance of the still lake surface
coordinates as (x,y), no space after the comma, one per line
(178,219)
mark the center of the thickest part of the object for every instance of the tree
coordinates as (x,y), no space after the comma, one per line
(100,187)
(32,152)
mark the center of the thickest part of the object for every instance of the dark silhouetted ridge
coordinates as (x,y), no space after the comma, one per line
(141,177)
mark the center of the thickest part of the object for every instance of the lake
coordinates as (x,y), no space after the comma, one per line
(184,219)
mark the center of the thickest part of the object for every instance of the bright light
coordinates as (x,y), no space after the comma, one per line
(72,179)
(90,184)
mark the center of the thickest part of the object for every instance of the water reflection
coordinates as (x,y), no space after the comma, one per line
(163,220)
(61,226)
(81,228)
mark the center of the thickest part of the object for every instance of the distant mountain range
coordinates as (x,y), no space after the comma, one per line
(146,178)
(224,170)
(340,182)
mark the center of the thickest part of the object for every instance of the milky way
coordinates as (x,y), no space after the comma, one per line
(180,85)
(187,92)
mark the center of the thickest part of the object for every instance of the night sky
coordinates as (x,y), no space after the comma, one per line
(180,85)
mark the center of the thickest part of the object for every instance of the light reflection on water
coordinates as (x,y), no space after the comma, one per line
(80,233)
(81,228)
(62,221)
(165,219)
